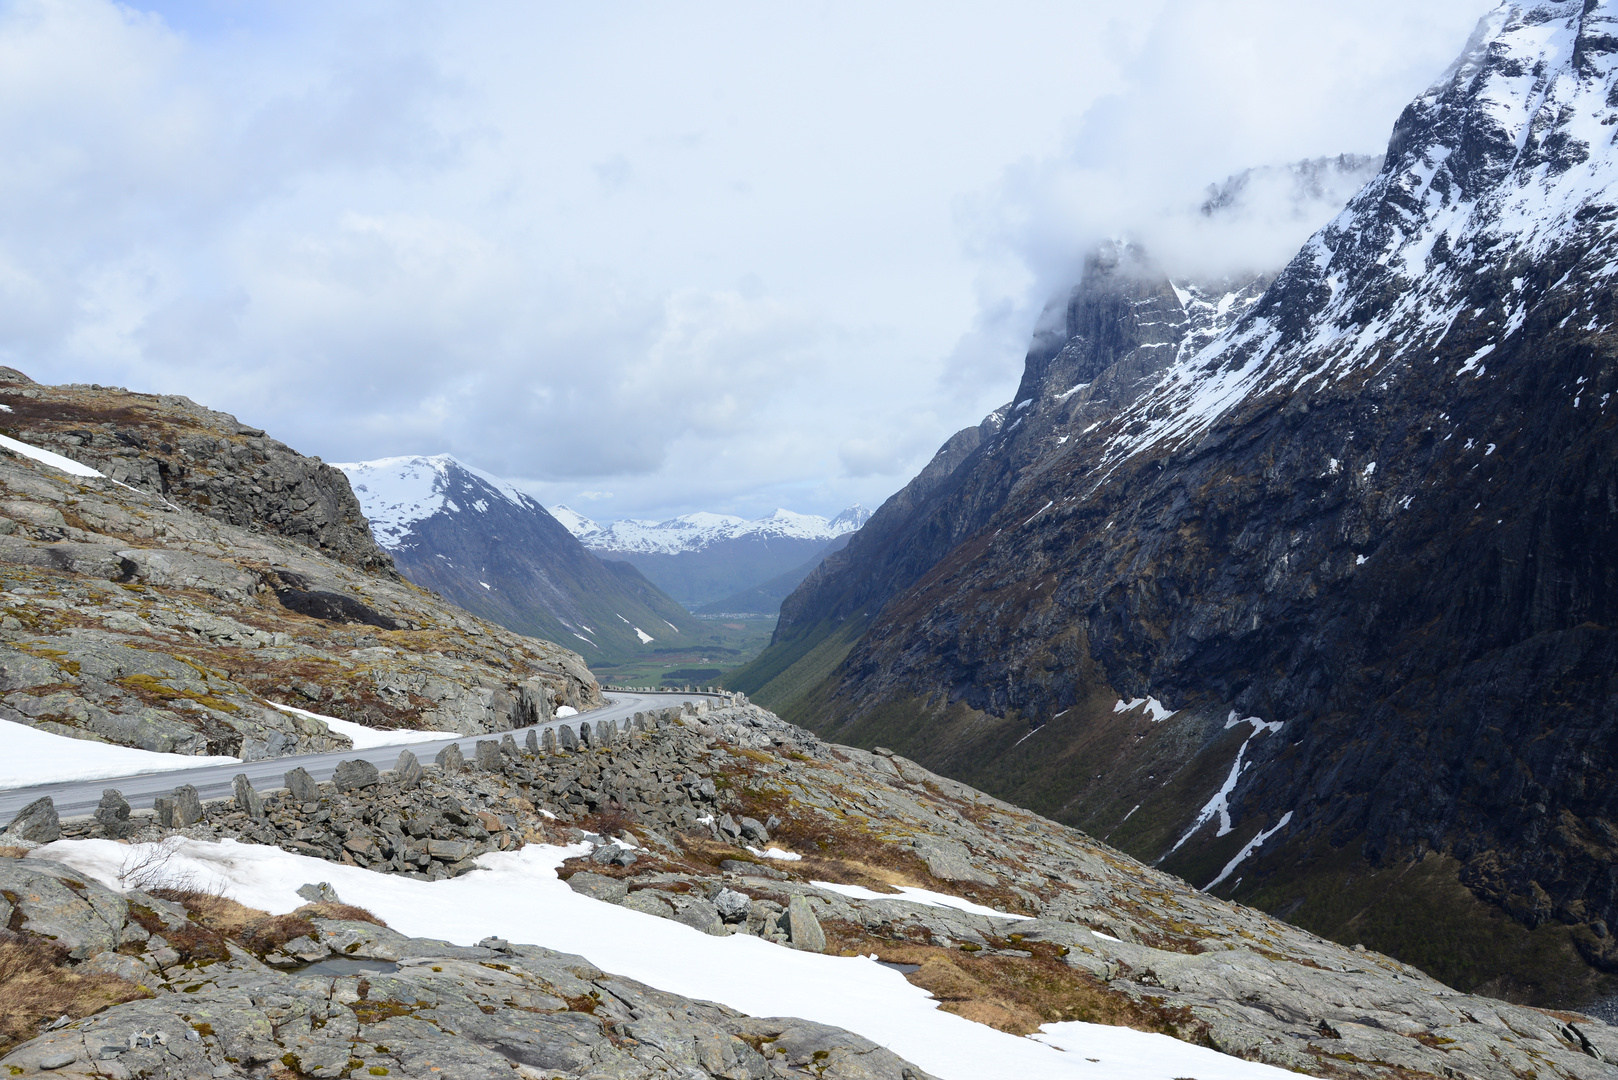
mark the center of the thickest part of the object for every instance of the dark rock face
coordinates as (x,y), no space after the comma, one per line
(1382,513)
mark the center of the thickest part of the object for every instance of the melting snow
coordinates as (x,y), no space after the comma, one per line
(45,457)
(516,895)
(34,757)
(365,738)
(1219,805)
(645,638)
(1248,849)
(1154,708)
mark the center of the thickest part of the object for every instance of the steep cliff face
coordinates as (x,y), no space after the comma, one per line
(1321,616)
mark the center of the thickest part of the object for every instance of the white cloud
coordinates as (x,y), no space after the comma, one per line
(721,257)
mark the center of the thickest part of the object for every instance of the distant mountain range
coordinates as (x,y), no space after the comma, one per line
(717,562)
(498,553)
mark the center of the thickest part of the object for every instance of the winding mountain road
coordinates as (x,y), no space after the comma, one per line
(75,797)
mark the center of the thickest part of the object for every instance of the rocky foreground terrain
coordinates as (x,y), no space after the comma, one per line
(213,571)
(675,816)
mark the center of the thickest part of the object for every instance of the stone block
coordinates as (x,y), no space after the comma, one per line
(450,759)
(487,756)
(302,786)
(355,775)
(248,801)
(38,823)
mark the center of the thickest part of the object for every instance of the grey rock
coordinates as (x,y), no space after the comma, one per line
(164,806)
(248,801)
(508,746)
(549,741)
(598,886)
(565,736)
(187,806)
(755,831)
(699,914)
(731,905)
(112,814)
(319,893)
(450,850)
(58,1061)
(355,774)
(649,902)
(531,743)
(803,927)
(612,855)
(450,759)
(586,736)
(302,785)
(36,824)
(947,860)
(727,826)
(407,770)
(486,756)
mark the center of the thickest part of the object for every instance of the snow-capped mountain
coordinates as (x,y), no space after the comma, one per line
(699,531)
(1352,529)
(702,558)
(497,552)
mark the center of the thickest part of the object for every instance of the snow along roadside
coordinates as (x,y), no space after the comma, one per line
(517,895)
(365,738)
(29,756)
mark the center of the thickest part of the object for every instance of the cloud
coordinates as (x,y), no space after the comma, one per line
(723,258)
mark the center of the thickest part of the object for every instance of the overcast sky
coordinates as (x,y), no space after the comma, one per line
(642,259)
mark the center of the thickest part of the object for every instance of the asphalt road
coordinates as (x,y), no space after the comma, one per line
(77,797)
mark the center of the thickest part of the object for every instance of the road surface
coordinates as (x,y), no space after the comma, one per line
(75,797)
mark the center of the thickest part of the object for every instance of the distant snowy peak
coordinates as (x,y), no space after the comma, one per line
(696,532)
(1499,190)
(398,492)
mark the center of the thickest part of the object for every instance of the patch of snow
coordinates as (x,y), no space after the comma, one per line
(517,895)
(564,711)
(697,532)
(1248,849)
(1359,560)
(1219,805)
(1154,708)
(485,584)
(1103,937)
(1074,389)
(45,457)
(645,638)
(365,738)
(774,853)
(43,757)
(915,896)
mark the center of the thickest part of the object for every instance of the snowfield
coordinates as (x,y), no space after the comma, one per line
(29,756)
(695,532)
(397,492)
(517,895)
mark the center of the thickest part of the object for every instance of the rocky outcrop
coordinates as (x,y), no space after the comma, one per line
(130,619)
(206,461)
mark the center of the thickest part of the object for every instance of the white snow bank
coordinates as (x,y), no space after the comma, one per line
(517,895)
(29,756)
(915,896)
(45,457)
(566,711)
(366,738)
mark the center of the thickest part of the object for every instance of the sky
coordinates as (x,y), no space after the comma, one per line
(641,259)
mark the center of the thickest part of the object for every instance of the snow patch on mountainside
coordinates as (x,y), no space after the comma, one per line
(397,492)
(695,532)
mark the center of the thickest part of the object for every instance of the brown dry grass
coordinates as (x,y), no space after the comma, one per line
(1014,993)
(273,931)
(339,913)
(9,852)
(35,988)
(218,913)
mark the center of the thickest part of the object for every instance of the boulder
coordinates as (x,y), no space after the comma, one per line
(699,914)
(586,735)
(113,814)
(248,801)
(599,887)
(755,831)
(302,786)
(36,824)
(355,775)
(802,926)
(187,806)
(548,741)
(731,905)
(568,740)
(450,759)
(508,746)
(319,893)
(487,756)
(407,770)
(649,902)
(531,744)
